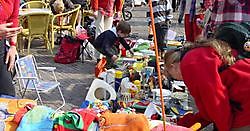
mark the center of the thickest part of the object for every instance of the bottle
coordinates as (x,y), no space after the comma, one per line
(118,79)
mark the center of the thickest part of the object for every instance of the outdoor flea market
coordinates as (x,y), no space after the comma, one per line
(120,65)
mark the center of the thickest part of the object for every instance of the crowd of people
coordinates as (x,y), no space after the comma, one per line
(215,68)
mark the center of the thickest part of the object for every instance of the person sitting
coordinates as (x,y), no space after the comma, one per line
(107,43)
(221,94)
(61,6)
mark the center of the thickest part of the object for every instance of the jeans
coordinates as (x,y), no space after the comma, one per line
(6,85)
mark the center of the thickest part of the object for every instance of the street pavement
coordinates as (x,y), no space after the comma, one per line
(77,77)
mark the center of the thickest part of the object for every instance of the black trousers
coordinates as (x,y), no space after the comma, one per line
(6,85)
(161,34)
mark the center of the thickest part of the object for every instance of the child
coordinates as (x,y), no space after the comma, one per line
(161,11)
(61,6)
(108,42)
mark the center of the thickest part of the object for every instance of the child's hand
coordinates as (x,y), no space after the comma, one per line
(114,57)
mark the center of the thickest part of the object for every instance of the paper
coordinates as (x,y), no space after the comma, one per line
(171,35)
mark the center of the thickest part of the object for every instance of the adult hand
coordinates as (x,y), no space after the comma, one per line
(114,57)
(10,58)
(6,31)
(95,14)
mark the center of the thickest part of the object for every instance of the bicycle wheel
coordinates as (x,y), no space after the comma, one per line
(127,15)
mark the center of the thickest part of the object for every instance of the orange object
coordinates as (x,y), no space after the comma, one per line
(100,67)
(157,61)
(13,105)
(123,122)
(196,126)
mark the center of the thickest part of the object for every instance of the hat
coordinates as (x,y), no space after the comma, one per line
(235,34)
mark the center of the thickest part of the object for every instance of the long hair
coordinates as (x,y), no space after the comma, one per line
(221,47)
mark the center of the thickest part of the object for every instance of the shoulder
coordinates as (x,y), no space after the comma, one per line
(200,54)
(109,33)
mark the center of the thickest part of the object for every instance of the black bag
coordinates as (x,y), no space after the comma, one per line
(237,35)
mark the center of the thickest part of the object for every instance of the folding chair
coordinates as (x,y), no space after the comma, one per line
(29,79)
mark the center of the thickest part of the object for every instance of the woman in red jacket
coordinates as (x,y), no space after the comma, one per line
(221,96)
(104,11)
(9,10)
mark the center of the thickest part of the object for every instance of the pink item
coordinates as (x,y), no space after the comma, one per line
(170,128)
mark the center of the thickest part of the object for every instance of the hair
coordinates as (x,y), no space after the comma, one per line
(124,27)
(221,47)
(58,6)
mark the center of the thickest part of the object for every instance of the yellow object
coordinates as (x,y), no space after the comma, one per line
(196,126)
(64,21)
(138,84)
(37,28)
(174,43)
(13,105)
(118,74)
(34,4)
(138,66)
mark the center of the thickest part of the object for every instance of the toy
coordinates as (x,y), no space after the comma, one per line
(247,46)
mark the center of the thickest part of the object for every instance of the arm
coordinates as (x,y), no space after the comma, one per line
(11,54)
(14,19)
(124,43)
(199,69)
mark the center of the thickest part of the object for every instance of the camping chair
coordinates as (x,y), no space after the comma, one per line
(37,28)
(29,79)
(34,4)
(58,22)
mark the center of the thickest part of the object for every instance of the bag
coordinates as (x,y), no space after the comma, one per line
(69,50)
(100,67)
(237,35)
(9,107)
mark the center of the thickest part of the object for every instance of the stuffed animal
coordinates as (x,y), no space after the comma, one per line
(247,46)
(59,6)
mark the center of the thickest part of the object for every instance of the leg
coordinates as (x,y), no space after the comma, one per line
(160,35)
(188,29)
(110,61)
(108,22)
(99,23)
(7,87)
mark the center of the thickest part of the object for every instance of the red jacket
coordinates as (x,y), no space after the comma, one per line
(9,10)
(107,7)
(213,90)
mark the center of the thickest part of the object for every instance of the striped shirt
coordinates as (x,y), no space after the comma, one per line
(161,9)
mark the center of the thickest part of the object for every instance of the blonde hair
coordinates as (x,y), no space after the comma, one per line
(221,47)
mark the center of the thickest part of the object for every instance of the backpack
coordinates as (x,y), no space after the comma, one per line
(237,35)
(69,50)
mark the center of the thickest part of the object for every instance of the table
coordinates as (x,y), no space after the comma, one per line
(23,12)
